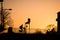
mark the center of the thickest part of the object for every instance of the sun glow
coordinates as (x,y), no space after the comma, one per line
(41,13)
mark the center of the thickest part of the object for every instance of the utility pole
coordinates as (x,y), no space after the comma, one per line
(28,22)
(29,28)
(1,12)
(2,17)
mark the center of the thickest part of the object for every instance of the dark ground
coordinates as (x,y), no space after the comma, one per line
(37,36)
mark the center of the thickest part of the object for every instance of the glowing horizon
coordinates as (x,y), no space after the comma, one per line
(41,13)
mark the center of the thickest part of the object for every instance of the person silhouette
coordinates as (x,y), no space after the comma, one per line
(10,30)
(58,21)
(21,28)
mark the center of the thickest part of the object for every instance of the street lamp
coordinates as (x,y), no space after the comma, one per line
(7,9)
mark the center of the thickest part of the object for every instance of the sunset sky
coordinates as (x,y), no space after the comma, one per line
(41,12)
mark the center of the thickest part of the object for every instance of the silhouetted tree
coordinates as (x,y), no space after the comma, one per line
(7,20)
(1,21)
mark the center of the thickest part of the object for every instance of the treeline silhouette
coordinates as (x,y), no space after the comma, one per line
(38,35)
(5,19)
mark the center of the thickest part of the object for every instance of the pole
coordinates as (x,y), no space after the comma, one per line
(1,13)
(29,28)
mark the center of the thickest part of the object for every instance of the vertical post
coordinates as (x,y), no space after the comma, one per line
(29,28)
(1,13)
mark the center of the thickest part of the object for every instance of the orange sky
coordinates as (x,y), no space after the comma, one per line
(41,12)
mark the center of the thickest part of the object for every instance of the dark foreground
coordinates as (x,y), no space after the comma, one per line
(38,36)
